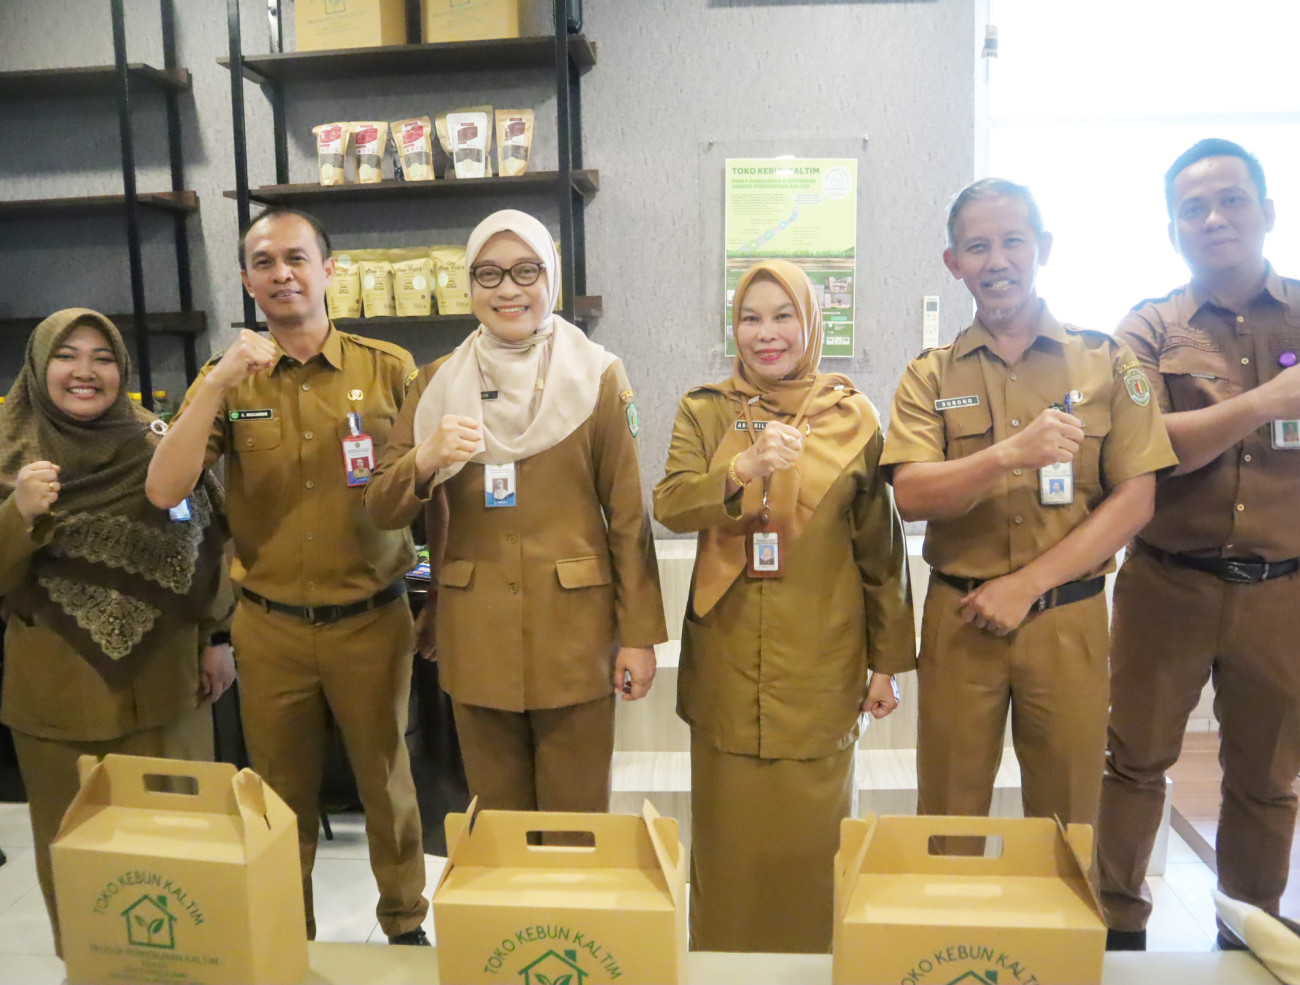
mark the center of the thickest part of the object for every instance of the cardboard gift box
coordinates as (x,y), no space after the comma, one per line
(326,24)
(472,20)
(173,871)
(905,913)
(507,910)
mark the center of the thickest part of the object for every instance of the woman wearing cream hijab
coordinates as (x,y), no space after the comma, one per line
(800,589)
(521,444)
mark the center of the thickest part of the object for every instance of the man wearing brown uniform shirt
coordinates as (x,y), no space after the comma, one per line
(322,628)
(1211,590)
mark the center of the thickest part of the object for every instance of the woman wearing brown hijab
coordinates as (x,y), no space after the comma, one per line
(800,589)
(109,601)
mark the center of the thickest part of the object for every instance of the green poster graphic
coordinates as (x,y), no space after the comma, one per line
(803,210)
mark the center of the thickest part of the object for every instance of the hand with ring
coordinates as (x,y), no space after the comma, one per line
(36,489)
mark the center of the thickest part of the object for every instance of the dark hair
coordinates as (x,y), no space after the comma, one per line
(987,188)
(277,212)
(1213,147)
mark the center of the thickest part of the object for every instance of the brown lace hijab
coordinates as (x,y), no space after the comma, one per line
(116,572)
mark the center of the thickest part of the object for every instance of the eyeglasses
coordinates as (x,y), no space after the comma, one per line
(524,273)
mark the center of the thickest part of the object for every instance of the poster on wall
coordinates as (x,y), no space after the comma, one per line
(804,210)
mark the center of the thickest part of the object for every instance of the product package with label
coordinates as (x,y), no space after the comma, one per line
(514,141)
(325,24)
(413,287)
(908,909)
(613,910)
(370,140)
(470,137)
(170,871)
(331,151)
(343,293)
(415,148)
(451,280)
(377,288)
(464,148)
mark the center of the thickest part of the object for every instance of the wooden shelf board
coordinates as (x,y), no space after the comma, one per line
(587,182)
(90,79)
(458,56)
(160,323)
(186,201)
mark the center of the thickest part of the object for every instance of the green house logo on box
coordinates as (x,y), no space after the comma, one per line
(554,969)
(149,924)
(969,964)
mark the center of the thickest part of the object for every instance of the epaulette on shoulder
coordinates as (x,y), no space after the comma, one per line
(379,345)
(702,388)
(1093,335)
(1153,301)
(935,348)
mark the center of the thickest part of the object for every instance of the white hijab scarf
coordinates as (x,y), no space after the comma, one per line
(546,385)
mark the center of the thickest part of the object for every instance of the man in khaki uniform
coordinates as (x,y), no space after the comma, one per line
(1212,592)
(1030,448)
(322,626)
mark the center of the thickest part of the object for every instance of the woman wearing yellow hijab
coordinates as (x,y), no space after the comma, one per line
(800,590)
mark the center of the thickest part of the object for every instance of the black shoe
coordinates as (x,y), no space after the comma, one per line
(417,937)
(1126,940)
(1228,942)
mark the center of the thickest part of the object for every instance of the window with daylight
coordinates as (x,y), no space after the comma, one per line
(1089,103)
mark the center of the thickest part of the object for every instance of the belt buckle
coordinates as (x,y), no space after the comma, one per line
(1240,573)
(321,615)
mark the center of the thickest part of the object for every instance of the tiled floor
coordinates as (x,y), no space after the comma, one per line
(346,897)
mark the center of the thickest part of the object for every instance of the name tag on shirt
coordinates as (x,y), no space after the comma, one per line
(499,485)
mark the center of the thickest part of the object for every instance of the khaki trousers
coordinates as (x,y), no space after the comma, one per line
(764,833)
(550,759)
(292,676)
(49,770)
(1051,671)
(1174,630)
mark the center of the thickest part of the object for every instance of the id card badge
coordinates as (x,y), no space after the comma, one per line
(1286,435)
(499,485)
(358,453)
(359,458)
(1056,484)
(765,554)
(181,511)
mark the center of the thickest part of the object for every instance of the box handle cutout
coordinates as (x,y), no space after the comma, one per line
(965,846)
(561,841)
(186,786)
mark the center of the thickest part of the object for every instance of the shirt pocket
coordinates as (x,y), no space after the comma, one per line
(967,430)
(456,574)
(1096,425)
(255,436)
(1197,377)
(583,572)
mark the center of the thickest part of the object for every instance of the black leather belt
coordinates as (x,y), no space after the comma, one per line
(323,615)
(1239,571)
(1071,591)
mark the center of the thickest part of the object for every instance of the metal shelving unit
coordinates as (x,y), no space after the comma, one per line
(122,79)
(570,56)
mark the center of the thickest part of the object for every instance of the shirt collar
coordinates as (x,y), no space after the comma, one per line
(331,351)
(1196,297)
(977,336)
